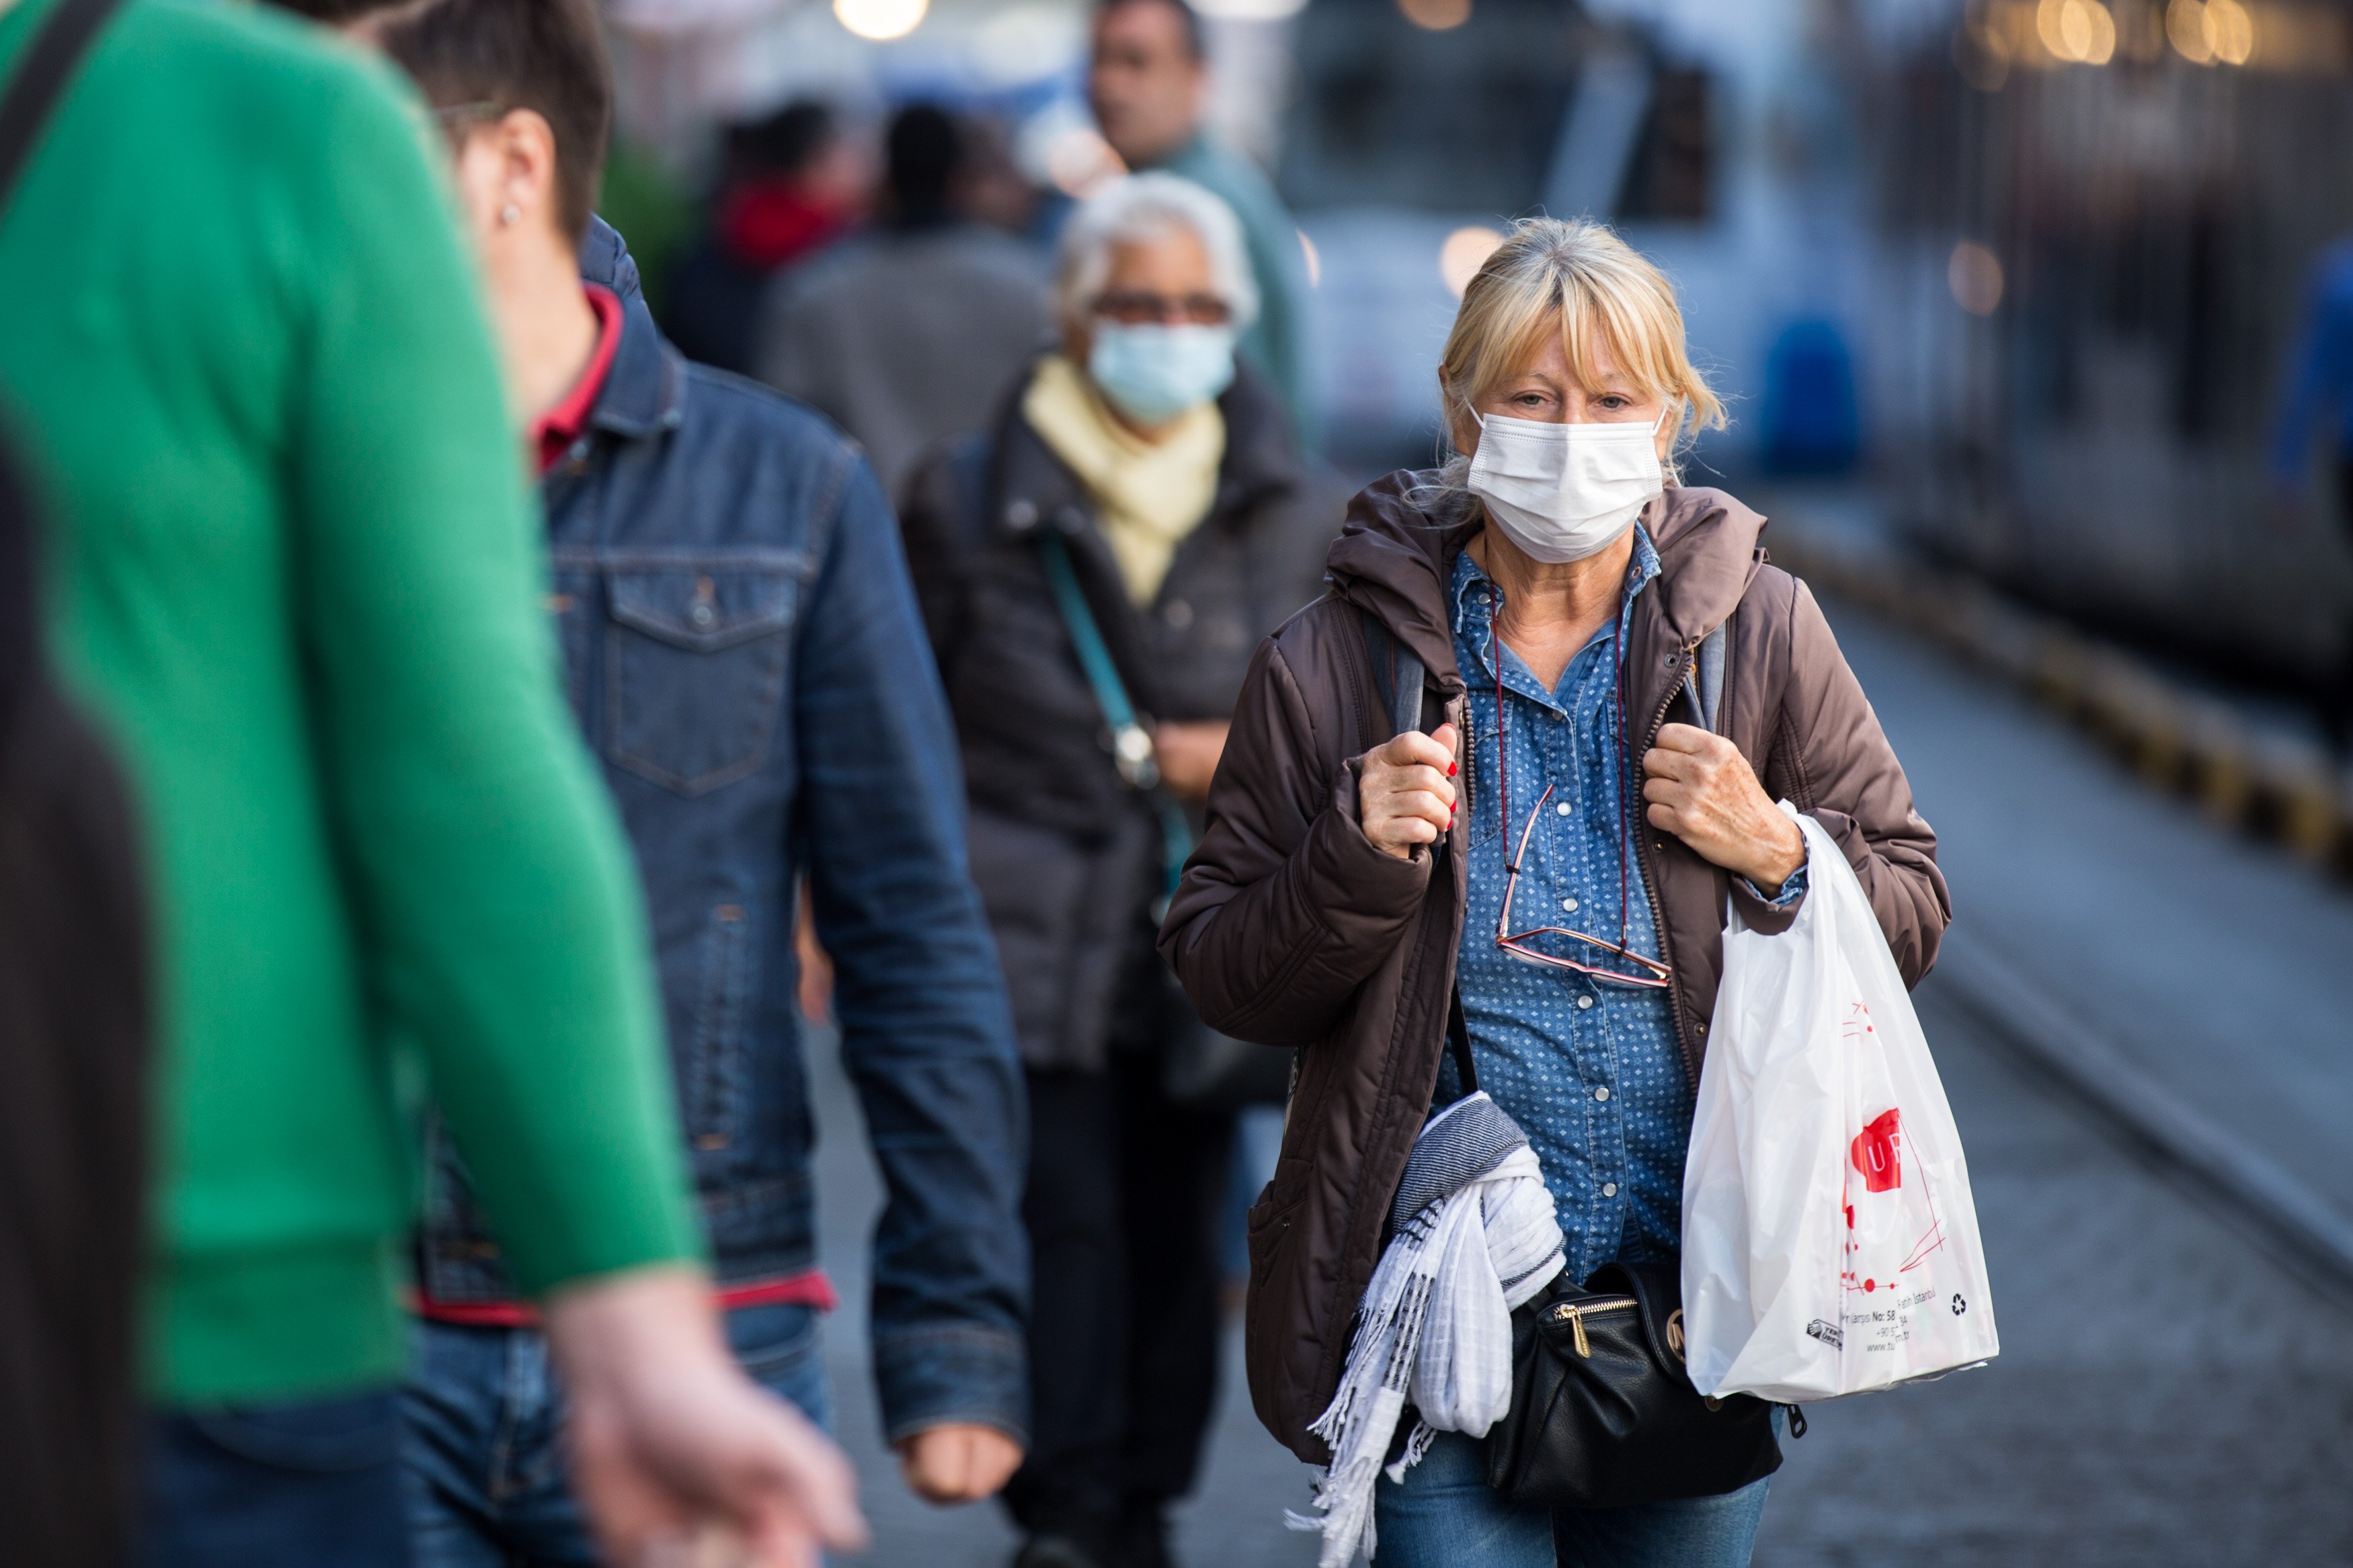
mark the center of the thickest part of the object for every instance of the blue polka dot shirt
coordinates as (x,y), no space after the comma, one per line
(1591,1070)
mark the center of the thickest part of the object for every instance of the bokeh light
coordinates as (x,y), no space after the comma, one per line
(880,21)
(1313,258)
(2231,26)
(2082,31)
(1459,259)
(1974,277)
(1436,16)
(2207,31)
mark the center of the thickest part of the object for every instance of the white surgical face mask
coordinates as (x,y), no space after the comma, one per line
(1564,492)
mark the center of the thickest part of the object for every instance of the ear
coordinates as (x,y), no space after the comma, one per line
(524,145)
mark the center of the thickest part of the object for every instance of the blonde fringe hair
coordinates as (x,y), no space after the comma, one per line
(1577,279)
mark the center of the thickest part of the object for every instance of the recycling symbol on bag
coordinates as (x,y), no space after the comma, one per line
(1959,1305)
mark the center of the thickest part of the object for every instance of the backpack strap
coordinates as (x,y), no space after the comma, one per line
(1703,681)
(1398,675)
(41,79)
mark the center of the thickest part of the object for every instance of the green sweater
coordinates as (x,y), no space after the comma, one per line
(293,571)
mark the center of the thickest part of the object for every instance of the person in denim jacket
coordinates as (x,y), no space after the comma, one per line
(746,657)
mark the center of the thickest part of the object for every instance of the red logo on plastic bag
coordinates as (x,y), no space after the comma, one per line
(1877,1153)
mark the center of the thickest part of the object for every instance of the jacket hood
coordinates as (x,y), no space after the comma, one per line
(1403,531)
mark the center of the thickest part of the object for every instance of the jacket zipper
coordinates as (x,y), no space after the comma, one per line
(1650,888)
(1574,1313)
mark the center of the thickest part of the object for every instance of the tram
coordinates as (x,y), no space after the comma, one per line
(2102,224)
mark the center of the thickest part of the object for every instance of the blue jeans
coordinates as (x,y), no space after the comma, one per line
(482,1422)
(289,1485)
(1445,1515)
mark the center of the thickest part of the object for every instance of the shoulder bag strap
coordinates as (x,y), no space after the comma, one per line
(40,81)
(1131,746)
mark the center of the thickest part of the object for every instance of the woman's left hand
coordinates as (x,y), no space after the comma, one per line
(1700,788)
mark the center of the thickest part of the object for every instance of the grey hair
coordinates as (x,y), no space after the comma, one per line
(1142,207)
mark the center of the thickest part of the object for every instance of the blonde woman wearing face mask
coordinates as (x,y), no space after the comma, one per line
(1619,690)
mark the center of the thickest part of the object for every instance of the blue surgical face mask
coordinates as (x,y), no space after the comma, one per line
(1153,372)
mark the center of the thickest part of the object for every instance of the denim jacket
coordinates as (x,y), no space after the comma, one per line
(745,659)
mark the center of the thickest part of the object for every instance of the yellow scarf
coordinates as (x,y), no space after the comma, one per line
(1150,494)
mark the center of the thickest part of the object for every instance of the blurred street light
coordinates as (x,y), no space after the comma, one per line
(1974,277)
(1436,16)
(2081,31)
(880,21)
(2206,31)
(1465,250)
(2186,25)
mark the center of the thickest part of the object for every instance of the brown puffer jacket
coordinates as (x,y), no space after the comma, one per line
(1290,928)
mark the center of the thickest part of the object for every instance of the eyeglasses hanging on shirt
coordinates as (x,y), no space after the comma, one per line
(1636,970)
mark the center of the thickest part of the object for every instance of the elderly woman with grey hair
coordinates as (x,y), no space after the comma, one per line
(1095,572)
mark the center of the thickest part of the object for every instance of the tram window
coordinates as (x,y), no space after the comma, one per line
(1460,120)
(1672,175)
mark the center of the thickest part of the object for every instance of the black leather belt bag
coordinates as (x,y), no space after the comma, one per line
(1603,1414)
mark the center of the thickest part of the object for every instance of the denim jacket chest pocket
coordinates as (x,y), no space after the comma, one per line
(697,655)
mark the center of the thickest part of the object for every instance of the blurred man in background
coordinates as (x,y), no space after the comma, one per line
(735,614)
(1136,520)
(792,184)
(297,585)
(1149,85)
(912,332)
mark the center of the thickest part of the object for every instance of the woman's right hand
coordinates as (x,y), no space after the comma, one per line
(1406,796)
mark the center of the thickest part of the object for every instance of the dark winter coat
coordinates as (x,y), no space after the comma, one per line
(1291,929)
(1067,856)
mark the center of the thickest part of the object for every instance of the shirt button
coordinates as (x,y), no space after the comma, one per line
(1603,1093)
(1582,1003)
(1609,1189)
(1569,904)
(1562,808)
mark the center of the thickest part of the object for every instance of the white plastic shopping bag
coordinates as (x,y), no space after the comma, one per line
(1830,1243)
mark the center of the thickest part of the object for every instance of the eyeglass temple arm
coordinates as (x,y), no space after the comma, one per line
(1512,867)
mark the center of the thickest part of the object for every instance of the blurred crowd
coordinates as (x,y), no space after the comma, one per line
(463,722)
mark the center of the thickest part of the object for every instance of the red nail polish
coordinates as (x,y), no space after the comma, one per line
(1450,770)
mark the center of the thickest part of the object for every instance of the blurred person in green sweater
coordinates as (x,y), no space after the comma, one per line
(294,578)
